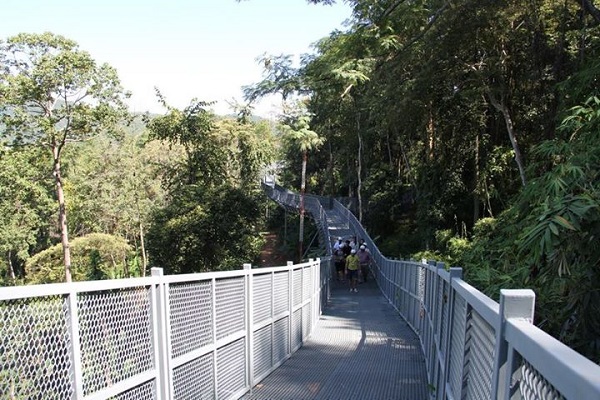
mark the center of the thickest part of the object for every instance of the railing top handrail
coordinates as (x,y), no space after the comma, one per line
(58,289)
(485,306)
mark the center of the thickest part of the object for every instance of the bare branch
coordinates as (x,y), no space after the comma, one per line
(590,8)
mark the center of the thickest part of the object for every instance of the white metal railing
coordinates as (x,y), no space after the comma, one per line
(474,347)
(209,335)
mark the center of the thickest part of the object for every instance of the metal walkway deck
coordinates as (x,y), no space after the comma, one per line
(361,349)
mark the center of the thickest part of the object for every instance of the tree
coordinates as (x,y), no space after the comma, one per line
(115,184)
(211,220)
(298,133)
(51,94)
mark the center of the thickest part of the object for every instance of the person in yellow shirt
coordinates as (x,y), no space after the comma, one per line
(352,270)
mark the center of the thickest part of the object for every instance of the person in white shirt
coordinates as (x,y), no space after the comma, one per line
(338,245)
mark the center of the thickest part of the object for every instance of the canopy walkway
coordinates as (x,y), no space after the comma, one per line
(470,346)
(417,331)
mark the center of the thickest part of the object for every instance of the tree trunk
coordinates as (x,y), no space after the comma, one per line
(589,8)
(302,190)
(11,269)
(143,246)
(331,176)
(141,227)
(476,195)
(62,213)
(389,150)
(359,170)
(430,134)
(500,106)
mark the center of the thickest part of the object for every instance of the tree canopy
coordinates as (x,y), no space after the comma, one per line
(460,128)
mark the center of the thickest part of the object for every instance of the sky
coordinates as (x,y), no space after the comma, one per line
(203,49)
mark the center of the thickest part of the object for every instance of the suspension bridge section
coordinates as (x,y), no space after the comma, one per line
(415,331)
(451,341)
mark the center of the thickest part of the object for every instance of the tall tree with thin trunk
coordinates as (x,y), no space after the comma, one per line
(305,140)
(51,94)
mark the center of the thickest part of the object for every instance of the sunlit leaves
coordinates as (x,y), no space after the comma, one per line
(54,92)
(299,134)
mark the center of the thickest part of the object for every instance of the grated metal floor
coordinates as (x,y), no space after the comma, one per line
(361,349)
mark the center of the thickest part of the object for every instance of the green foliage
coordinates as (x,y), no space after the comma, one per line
(95,256)
(26,209)
(205,230)
(211,220)
(298,134)
(561,217)
(546,240)
(112,185)
(53,92)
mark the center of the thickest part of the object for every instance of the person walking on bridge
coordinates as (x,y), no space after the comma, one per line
(339,261)
(364,261)
(352,270)
(339,244)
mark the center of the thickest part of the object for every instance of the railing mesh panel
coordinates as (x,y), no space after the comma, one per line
(534,386)
(306,320)
(262,350)
(444,316)
(480,357)
(297,328)
(281,293)
(115,335)
(230,300)
(297,286)
(191,316)
(195,379)
(231,369)
(438,305)
(34,349)
(262,297)
(457,345)
(281,334)
(141,392)
(306,283)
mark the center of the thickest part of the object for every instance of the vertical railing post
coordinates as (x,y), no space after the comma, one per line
(438,304)
(317,290)
(249,323)
(455,273)
(316,300)
(75,351)
(290,265)
(514,303)
(214,336)
(161,341)
(273,360)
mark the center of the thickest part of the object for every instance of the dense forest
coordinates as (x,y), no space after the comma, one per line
(90,191)
(466,131)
